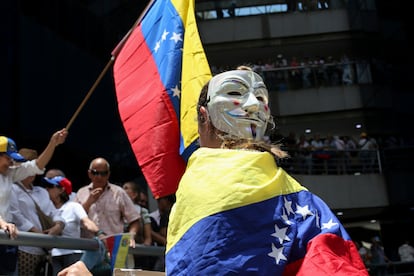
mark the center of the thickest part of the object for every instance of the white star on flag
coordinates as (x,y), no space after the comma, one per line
(303,211)
(285,218)
(164,35)
(329,224)
(157,46)
(176,37)
(176,91)
(288,206)
(280,233)
(277,253)
(317,220)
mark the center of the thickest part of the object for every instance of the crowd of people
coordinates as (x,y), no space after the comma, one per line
(16,170)
(330,154)
(51,207)
(233,8)
(283,73)
(378,263)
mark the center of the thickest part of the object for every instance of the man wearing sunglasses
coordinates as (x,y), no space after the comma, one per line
(107,204)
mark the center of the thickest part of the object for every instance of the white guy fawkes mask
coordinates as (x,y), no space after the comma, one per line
(238,104)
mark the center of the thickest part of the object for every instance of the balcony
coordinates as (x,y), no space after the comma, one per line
(332,162)
(341,178)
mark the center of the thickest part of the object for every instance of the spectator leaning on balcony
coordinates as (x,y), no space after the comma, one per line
(133,190)
(58,172)
(406,252)
(379,261)
(350,153)
(26,198)
(60,189)
(339,148)
(367,154)
(304,155)
(347,75)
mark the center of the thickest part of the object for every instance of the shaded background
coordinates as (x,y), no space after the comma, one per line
(53,52)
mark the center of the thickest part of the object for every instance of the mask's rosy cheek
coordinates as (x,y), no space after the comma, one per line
(236,103)
(266,107)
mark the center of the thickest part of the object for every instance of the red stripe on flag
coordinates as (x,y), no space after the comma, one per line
(328,254)
(148,116)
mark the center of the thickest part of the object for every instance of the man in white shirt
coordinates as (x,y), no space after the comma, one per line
(26,199)
(406,252)
(10,173)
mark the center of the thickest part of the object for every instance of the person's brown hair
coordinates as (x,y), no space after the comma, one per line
(28,154)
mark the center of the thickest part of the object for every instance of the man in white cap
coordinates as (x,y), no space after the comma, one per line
(10,173)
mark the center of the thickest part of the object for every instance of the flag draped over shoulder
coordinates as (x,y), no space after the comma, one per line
(238,213)
(158,77)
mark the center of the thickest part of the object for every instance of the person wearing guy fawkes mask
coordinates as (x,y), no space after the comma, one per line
(236,211)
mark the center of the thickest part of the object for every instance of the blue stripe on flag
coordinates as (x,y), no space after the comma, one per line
(252,239)
(163,31)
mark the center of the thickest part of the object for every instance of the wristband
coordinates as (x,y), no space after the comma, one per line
(100,232)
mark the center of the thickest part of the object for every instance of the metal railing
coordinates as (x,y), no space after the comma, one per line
(329,74)
(315,76)
(333,162)
(395,268)
(213,9)
(48,241)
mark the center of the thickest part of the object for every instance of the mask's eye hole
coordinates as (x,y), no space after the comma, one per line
(234,93)
(261,95)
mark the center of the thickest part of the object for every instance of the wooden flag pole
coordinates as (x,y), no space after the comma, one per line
(114,54)
(118,47)
(98,80)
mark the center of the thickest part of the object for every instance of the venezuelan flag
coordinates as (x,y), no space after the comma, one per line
(158,77)
(118,246)
(237,213)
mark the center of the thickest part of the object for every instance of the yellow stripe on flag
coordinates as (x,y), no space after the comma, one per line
(218,180)
(195,71)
